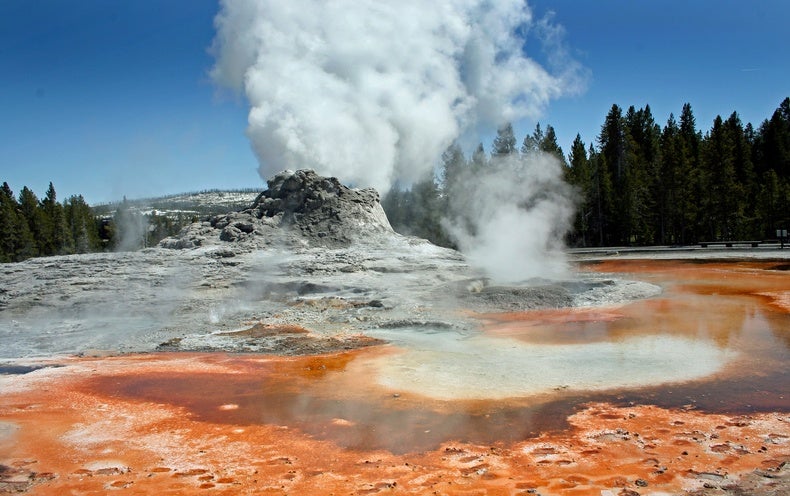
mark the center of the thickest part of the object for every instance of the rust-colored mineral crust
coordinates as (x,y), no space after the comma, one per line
(67,432)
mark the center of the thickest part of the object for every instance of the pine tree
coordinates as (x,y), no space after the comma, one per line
(9,224)
(579,171)
(46,233)
(670,185)
(479,160)
(695,187)
(531,143)
(603,198)
(56,240)
(692,138)
(417,211)
(642,175)
(391,203)
(772,167)
(612,143)
(775,142)
(81,224)
(746,188)
(770,204)
(580,176)
(22,244)
(718,166)
(31,214)
(504,142)
(453,165)
(426,213)
(548,144)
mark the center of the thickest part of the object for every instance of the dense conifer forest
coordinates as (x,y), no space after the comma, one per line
(638,184)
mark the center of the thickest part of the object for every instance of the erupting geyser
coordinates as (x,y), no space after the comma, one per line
(373,92)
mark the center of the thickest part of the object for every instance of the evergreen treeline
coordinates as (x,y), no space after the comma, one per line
(30,227)
(640,183)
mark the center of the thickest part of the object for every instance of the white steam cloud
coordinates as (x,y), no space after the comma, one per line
(373,91)
(510,217)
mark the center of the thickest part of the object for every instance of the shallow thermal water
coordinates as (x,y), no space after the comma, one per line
(717,339)
(711,319)
(446,366)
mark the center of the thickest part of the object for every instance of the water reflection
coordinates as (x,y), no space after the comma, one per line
(316,404)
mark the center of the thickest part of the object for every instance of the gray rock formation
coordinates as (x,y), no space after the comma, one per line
(297,207)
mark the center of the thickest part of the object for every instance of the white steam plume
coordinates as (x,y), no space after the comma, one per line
(373,91)
(509,218)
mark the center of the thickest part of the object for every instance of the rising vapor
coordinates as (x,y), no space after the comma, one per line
(372,91)
(510,217)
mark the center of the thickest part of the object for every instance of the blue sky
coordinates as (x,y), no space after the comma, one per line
(107,98)
(720,56)
(110,98)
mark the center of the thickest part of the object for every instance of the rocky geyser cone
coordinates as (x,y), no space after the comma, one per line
(319,210)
